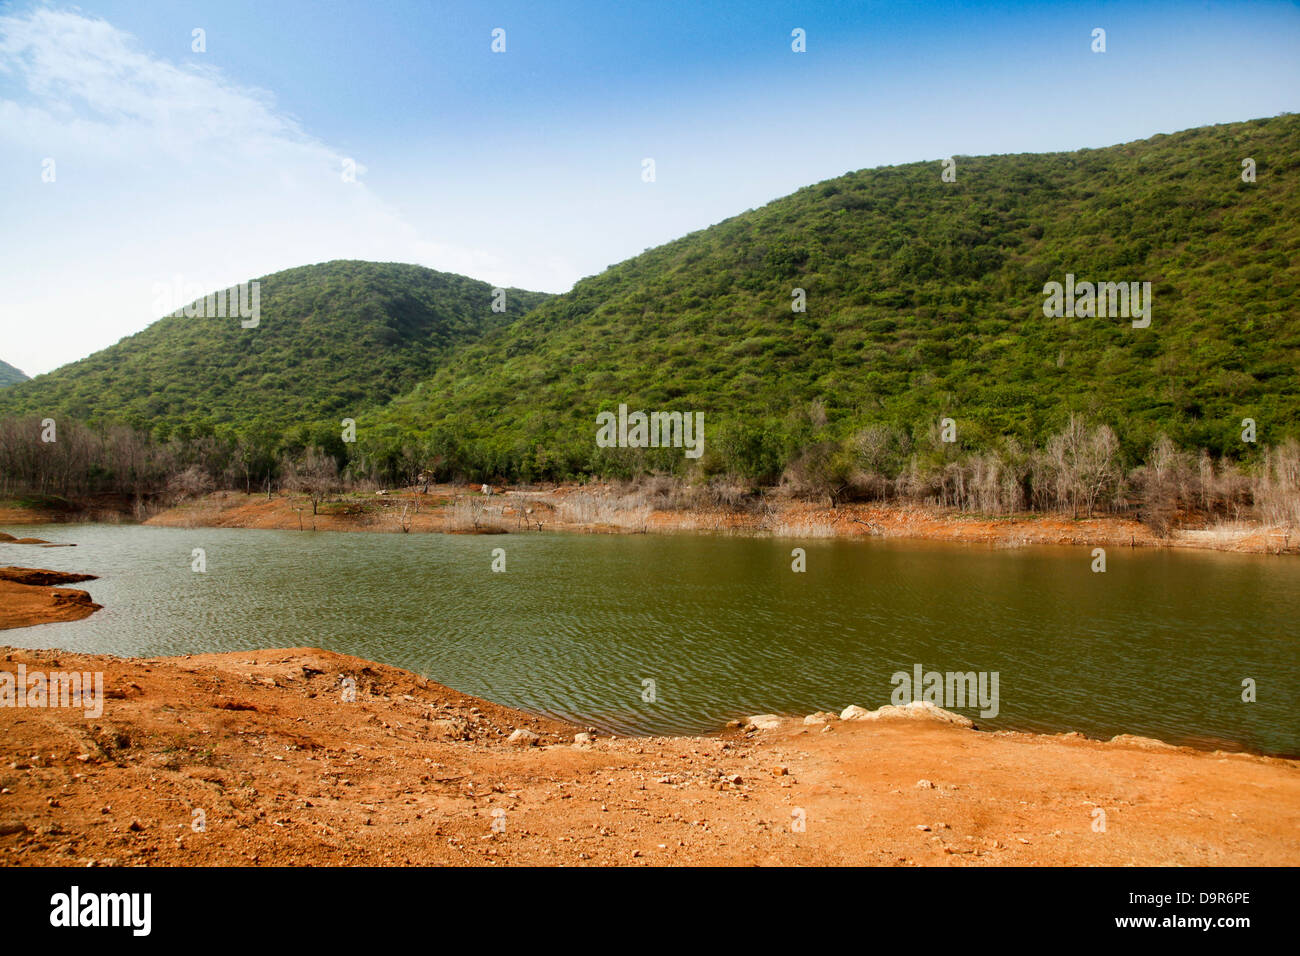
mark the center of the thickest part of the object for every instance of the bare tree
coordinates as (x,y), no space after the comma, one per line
(193,482)
(316,475)
(1084,464)
(1277,485)
(1166,483)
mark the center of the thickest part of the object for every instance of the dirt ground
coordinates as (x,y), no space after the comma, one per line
(609,509)
(256,758)
(27,597)
(606,509)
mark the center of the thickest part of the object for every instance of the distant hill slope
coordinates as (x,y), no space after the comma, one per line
(332,340)
(925,299)
(10,375)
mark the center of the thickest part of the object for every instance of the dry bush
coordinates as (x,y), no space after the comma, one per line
(315,474)
(870,486)
(877,452)
(986,483)
(1222,489)
(193,482)
(1168,483)
(821,470)
(622,510)
(468,513)
(659,488)
(1276,488)
(725,491)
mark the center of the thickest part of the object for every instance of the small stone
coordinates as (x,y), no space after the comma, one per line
(443,727)
(523,737)
(764,722)
(923,827)
(854,712)
(924,785)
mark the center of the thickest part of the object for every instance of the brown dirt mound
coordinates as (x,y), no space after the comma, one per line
(40,577)
(27,597)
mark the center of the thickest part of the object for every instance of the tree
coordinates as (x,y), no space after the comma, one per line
(1084,463)
(315,474)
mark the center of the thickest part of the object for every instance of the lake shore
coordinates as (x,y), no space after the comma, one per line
(606,509)
(261,749)
(34,596)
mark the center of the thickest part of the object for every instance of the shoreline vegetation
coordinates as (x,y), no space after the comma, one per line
(1084,470)
(648,506)
(255,757)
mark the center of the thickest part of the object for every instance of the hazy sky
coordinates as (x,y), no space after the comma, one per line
(524,167)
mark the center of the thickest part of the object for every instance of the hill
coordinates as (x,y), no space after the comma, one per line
(331,340)
(10,375)
(925,299)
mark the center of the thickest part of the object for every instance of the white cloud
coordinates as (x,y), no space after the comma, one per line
(163,170)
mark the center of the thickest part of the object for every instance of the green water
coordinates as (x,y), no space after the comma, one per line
(1158,645)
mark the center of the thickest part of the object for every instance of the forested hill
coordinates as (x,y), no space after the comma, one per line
(331,340)
(10,375)
(924,299)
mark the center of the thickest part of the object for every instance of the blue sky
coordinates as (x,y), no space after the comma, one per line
(524,168)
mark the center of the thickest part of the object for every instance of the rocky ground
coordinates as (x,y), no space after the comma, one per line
(257,758)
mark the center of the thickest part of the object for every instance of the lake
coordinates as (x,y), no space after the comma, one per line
(1158,645)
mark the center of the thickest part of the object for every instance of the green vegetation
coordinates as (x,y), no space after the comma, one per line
(10,375)
(333,340)
(924,302)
